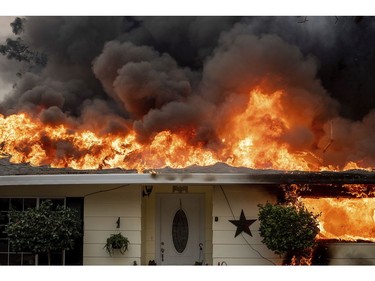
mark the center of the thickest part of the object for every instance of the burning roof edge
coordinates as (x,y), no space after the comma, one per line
(255,177)
(220,173)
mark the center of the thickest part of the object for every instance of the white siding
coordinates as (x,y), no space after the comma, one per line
(351,253)
(243,249)
(102,207)
(102,210)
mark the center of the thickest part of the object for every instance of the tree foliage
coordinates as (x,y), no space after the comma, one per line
(43,229)
(287,228)
(18,50)
(17,25)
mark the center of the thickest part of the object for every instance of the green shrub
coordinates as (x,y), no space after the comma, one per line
(287,229)
(43,229)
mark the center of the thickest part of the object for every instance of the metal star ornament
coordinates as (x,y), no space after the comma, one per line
(242,225)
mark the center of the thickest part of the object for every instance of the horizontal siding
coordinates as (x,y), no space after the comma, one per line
(223,223)
(102,211)
(247,199)
(227,237)
(243,249)
(351,253)
(352,261)
(341,250)
(111,261)
(248,261)
(108,209)
(60,190)
(113,207)
(100,236)
(97,250)
(108,222)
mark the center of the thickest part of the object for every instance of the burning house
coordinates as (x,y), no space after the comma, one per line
(174,142)
(144,208)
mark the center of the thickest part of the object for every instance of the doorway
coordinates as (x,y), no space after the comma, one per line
(180,228)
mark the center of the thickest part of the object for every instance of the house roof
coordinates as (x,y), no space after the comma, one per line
(24,174)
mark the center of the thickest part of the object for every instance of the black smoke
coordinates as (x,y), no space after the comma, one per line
(171,73)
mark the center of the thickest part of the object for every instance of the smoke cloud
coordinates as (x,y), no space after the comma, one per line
(151,74)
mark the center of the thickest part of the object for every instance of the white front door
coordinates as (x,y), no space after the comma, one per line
(180,228)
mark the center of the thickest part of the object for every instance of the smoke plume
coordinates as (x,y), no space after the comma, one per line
(183,74)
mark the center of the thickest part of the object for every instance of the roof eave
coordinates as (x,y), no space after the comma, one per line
(191,178)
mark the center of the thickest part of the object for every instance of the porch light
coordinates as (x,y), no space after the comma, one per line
(147,189)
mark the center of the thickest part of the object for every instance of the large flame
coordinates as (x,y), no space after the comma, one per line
(348,219)
(251,138)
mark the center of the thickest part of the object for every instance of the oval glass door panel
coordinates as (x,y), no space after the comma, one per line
(180,231)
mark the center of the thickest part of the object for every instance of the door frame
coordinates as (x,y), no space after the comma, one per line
(200,200)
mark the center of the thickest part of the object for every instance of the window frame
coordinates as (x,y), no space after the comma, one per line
(22,254)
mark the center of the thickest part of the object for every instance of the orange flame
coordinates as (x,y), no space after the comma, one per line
(251,137)
(344,219)
(360,190)
(302,260)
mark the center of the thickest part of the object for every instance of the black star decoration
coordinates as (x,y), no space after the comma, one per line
(242,224)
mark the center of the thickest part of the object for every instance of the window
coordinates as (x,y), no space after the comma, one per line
(180,231)
(9,257)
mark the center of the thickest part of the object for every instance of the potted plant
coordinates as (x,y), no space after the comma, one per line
(117,242)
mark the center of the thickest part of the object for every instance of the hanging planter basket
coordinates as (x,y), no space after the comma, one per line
(116,242)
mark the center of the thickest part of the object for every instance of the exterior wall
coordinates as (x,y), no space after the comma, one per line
(102,207)
(149,221)
(350,253)
(102,210)
(228,201)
